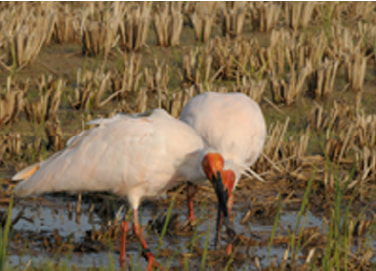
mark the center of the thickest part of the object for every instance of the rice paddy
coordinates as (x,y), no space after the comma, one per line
(311,67)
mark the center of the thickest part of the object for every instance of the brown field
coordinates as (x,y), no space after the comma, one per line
(311,66)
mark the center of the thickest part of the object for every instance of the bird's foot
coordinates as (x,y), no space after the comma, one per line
(152,263)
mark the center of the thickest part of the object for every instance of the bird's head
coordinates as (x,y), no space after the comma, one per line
(222,180)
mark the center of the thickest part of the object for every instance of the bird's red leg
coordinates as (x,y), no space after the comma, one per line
(230,202)
(138,232)
(123,238)
(191,191)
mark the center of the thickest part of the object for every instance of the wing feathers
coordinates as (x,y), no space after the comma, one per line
(26,172)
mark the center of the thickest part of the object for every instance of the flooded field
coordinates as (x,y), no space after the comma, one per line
(55,232)
(310,66)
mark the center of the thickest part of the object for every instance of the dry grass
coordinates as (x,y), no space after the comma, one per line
(233,18)
(355,67)
(299,14)
(11,102)
(67,24)
(287,91)
(359,11)
(47,104)
(203,18)
(54,135)
(197,67)
(157,80)
(134,27)
(168,23)
(99,28)
(16,149)
(90,89)
(265,16)
(321,80)
(129,76)
(98,38)
(276,134)
(26,34)
(252,88)
(142,100)
(176,101)
(348,46)
(232,58)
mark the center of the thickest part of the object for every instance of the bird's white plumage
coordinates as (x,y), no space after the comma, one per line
(231,123)
(129,156)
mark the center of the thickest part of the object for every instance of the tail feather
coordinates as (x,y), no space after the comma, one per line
(246,170)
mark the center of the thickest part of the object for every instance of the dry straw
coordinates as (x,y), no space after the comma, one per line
(287,91)
(355,70)
(265,15)
(365,134)
(338,119)
(90,89)
(252,88)
(337,148)
(128,78)
(142,100)
(299,14)
(321,80)
(48,101)
(357,11)
(99,28)
(168,23)
(176,101)
(271,152)
(16,149)
(282,51)
(203,18)
(346,45)
(157,80)
(366,163)
(134,27)
(11,102)
(26,33)
(228,56)
(233,18)
(54,135)
(11,144)
(98,38)
(67,24)
(197,67)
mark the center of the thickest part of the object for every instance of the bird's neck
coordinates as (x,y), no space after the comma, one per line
(191,167)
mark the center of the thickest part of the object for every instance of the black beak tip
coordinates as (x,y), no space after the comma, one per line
(222,193)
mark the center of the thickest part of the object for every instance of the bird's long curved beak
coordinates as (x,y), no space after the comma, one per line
(222,193)
(223,182)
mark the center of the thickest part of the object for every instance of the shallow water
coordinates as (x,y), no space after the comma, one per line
(53,214)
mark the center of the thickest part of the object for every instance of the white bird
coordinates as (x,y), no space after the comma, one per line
(232,124)
(131,156)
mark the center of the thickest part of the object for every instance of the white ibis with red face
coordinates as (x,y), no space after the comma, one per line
(136,157)
(232,124)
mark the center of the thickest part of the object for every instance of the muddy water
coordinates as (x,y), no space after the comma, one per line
(43,218)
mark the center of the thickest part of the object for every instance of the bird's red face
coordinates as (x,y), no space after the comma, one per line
(213,164)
